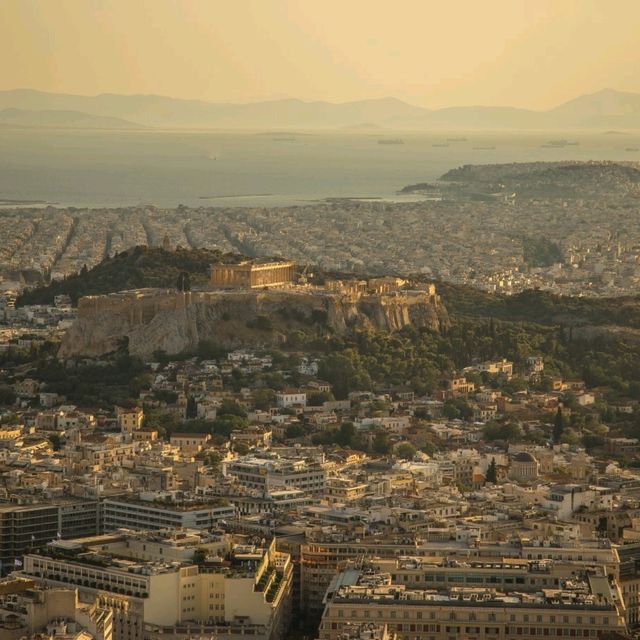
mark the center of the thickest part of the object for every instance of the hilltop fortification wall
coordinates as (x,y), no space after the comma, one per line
(151,319)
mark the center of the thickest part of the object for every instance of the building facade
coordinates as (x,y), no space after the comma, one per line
(156,514)
(586,607)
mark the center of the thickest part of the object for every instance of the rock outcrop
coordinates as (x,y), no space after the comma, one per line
(147,320)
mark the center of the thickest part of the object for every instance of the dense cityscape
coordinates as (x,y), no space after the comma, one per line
(405,473)
(319,320)
(567,228)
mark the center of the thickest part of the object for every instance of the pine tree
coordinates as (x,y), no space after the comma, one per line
(558,426)
(492,472)
(192,408)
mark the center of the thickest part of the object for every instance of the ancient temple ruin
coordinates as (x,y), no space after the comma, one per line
(252,274)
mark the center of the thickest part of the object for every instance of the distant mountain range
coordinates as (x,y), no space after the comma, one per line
(606,109)
(62,119)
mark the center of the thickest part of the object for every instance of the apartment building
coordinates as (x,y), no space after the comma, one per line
(585,606)
(246,590)
(29,612)
(130,420)
(27,526)
(267,474)
(159,510)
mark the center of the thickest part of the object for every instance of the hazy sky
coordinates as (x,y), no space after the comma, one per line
(533,53)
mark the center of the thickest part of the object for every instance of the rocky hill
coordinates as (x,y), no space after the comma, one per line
(148,320)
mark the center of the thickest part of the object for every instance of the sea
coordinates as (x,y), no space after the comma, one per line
(94,169)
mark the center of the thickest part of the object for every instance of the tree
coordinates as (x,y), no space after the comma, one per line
(184,281)
(231,408)
(345,372)
(223,425)
(165,395)
(56,441)
(457,408)
(213,460)
(263,399)
(261,323)
(209,350)
(496,431)
(199,556)
(514,385)
(241,448)
(345,435)
(7,396)
(406,451)
(192,408)
(318,398)
(381,443)
(429,448)
(492,472)
(295,431)
(558,426)
(450,410)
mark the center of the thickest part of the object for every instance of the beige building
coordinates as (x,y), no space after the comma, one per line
(29,612)
(190,443)
(252,274)
(322,556)
(130,420)
(163,585)
(585,606)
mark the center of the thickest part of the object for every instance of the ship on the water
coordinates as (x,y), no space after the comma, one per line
(560,144)
(390,141)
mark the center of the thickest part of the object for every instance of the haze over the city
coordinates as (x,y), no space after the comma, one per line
(532,55)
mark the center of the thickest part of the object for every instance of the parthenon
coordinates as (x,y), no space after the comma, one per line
(252,274)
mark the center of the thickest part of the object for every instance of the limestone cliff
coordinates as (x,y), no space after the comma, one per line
(151,319)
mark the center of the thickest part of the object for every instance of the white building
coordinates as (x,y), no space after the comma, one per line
(290,398)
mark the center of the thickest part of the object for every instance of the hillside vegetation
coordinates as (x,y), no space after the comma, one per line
(541,307)
(136,268)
